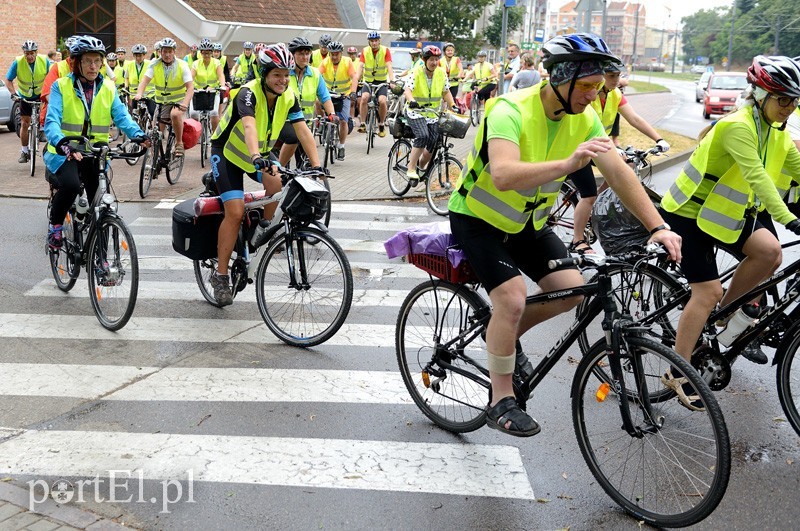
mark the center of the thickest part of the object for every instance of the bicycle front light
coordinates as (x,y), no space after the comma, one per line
(110,202)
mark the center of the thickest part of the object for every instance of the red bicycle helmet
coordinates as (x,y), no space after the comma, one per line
(776,74)
(431,51)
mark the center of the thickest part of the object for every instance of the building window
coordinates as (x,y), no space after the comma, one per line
(88,17)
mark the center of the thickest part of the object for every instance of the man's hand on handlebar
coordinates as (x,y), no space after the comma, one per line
(671,242)
(262,164)
(143,140)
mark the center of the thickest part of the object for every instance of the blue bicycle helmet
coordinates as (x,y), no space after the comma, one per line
(576,47)
(373,35)
(248,45)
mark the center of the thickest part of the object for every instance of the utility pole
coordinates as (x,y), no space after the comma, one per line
(504,27)
(674,47)
(605,19)
(777,32)
(730,37)
(635,36)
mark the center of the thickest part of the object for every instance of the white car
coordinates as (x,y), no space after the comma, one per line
(9,109)
(702,85)
(698,69)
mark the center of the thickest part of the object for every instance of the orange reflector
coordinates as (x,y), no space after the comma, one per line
(602,392)
(68,219)
(124,244)
(100,294)
(426,379)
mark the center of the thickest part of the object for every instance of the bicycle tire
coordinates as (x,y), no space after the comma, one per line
(788,381)
(62,261)
(327,220)
(203,142)
(397,167)
(370,127)
(112,258)
(148,171)
(175,165)
(474,109)
(203,269)
(305,315)
(32,145)
(433,313)
(671,476)
(439,183)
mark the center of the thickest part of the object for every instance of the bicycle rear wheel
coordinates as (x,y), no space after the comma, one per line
(113,269)
(475,109)
(175,165)
(62,261)
(203,142)
(370,126)
(675,470)
(432,314)
(561,218)
(398,165)
(32,144)
(148,171)
(440,183)
(304,313)
(788,379)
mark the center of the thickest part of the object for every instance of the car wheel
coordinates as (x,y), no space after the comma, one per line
(706,114)
(13,124)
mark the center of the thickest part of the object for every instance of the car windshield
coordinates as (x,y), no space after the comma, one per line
(401,59)
(729,82)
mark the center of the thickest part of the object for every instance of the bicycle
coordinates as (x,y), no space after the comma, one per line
(141,115)
(439,176)
(33,130)
(660,295)
(661,462)
(371,120)
(205,122)
(158,156)
(94,236)
(330,140)
(303,280)
(476,107)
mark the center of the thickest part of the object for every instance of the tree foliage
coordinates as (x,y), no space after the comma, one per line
(436,20)
(493,31)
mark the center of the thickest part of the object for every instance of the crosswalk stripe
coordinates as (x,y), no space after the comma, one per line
(188,291)
(336,224)
(348,245)
(468,470)
(85,327)
(62,380)
(346,208)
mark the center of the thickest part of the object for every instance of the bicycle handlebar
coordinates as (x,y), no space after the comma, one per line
(99,149)
(594,260)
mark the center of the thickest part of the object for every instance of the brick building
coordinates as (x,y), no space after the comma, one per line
(231,22)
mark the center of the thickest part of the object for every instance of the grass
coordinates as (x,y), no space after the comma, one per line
(641,87)
(628,136)
(685,76)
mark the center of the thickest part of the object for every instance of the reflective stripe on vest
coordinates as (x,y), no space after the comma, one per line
(171,90)
(722,212)
(206,75)
(608,113)
(235,148)
(30,82)
(338,81)
(308,95)
(425,96)
(135,77)
(510,210)
(74,113)
(453,67)
(374,68)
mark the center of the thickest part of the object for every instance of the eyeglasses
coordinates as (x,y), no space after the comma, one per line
(785,101)
(92,62)
(586,86)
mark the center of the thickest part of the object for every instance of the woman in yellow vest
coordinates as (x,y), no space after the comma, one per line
(452,65)
(733,174)
(340,77)
(241,145)
(82,92)
(532,139)
(245,64)
(425,88)
(609,102)
(134,73)
(207,74)
(29,70)
(119,73)
(485,76)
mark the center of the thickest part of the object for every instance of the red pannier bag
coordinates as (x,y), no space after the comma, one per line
(191,133)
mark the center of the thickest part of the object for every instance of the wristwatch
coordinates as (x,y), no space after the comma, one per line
(663,226)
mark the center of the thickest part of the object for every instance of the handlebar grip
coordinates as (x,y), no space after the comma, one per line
(561,262)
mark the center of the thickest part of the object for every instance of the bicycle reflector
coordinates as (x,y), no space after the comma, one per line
(426,379)
(602,392)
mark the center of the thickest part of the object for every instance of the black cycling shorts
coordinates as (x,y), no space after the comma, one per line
(698,262)
(383,91)
(584,181)
(228,176)
(497,256)
(25,108)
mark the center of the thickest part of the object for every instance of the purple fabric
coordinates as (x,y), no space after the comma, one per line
(430,238)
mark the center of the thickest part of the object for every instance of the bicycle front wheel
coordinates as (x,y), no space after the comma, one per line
(674,471)
(475,110)
(433,314)
(62,260)
(113,269)
(203,143)
(304,292)
(370,127)
(440,183)
(148,171)
(788,376)
(398,165)
(175,166)
(32,144)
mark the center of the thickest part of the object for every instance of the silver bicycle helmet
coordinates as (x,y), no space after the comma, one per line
(168,42)
(29,46)
(205,45)
(82,44)
(139,48)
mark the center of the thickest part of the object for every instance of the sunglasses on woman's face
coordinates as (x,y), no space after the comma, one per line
(785,101)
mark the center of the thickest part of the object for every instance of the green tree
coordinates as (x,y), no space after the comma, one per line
(700,31)
(493,31)
(436,20)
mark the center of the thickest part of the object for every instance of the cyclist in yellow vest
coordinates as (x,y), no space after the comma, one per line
(223,60)
(531,139)
(207,74)
(733,174)
(425,88)
(309,88)
(244,66)
(319,55)
(340,77)
(193,55)
(174,89)
(610,101)
(241,145)
(135,71)
(485,76)
(119,73)
(156,50)
(452,65)
(352,53)
(71,98)
(416,61)
(376,67)
(121,56)
(29,70)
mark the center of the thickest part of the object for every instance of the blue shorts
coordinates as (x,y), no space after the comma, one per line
(344,114)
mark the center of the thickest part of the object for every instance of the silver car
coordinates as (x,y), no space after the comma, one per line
(702,85)
(8,109)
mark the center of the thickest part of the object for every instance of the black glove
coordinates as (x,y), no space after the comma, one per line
(64,148)
(262,163)
(140,139)
(794,226)
(322,170)
(413,105)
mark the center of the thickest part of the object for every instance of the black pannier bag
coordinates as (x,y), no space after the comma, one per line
(193,236)
(305,199)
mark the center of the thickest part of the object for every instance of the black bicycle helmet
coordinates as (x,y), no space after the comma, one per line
(576,47)
(299,43)
(82,44)
(335,46)
(325,40)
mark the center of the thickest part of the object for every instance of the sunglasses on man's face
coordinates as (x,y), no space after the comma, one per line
(785,101)
(587,86)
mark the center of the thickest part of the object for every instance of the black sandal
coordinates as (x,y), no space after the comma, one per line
(507,409)
(574,247)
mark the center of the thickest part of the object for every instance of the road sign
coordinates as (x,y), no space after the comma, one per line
(539,36)
(510,3)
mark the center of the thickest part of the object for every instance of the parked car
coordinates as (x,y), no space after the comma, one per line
(723,89)
(702,85)
(698,69)
(9,110)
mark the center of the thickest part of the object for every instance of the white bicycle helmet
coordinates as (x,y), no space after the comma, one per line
(217,46)
(139,48)
(111,56)
(29,46)
(82,44)
(205,45)
(168,42)
(274,56)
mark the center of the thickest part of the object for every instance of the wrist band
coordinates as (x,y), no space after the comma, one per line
(663,226)
(659,140)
